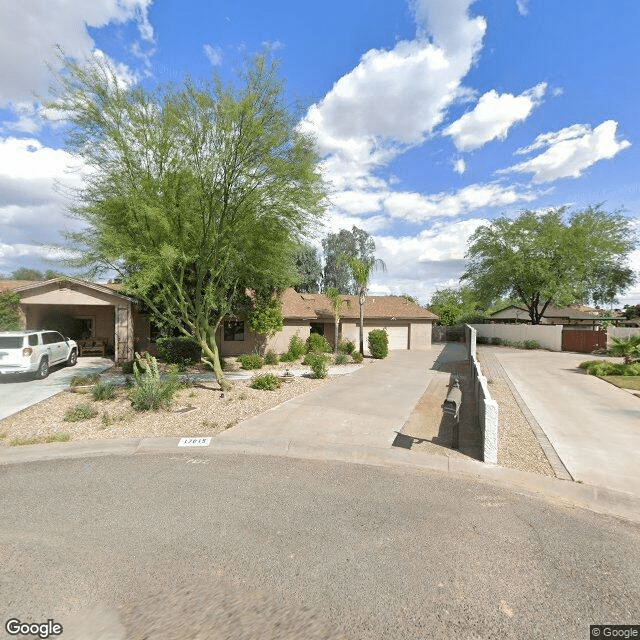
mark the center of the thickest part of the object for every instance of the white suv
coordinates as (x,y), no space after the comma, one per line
(35,351)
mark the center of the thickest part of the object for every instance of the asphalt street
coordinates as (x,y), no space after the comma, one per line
(236,546)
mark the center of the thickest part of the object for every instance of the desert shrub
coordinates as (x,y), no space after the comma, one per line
(482,340)
(104,391)
(497,341)
(288,357)
(346,346)
(81,381)
(603,368)
(341,358)
(266,382)
(81,412)
(357,357)
(271,357)
(151,391)
(531,344)
(179,350)
(379,343)
(297,347)
(251,361)
(318,344)
(318,363)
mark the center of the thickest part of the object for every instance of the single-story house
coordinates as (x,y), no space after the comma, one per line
(580,315)
(83,310)
(407,323)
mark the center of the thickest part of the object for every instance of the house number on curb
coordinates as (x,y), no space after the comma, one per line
(194,442)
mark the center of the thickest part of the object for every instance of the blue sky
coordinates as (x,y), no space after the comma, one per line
(432,116)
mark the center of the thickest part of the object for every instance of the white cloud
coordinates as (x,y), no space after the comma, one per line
(30,30)
(460,166)
(394,99)
(214,54)
(523,7)
(570,151)
(420,264)
(417,208)
(493,116)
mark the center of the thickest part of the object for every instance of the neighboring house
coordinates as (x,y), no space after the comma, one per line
(582,316)
(408,324)
(79,309)
(82,310)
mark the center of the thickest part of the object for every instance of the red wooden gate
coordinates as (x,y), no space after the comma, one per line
(583,340)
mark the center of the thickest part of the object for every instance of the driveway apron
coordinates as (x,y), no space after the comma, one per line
(367,408)
(593,426)
(18,392)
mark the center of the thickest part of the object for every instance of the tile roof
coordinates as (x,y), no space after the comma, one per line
(317,305)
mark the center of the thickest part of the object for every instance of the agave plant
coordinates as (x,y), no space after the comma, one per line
(627,348)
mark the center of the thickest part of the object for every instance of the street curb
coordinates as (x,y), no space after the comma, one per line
(564,492)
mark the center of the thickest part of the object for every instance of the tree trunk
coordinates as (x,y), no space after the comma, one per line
(335,350)
(212,355)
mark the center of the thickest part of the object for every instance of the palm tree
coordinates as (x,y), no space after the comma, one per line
(336,300)
(361,271)
(628,348)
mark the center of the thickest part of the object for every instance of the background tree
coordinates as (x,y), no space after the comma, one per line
(454,306)
(336,300)
(9,311)
(309,269)
(194,194)
(25,273)
(356,243)
(361,272)
(551,258)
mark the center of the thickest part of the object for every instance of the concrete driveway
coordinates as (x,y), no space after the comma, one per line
(594,426)
(17,392)
(367,408)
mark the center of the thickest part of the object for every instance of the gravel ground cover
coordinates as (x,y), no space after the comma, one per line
(518,446)
(199,410)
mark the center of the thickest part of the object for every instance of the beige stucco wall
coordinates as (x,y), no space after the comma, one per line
(420,335)
(58,293)
(280,342)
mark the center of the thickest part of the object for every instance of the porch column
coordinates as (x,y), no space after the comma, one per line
(124,333)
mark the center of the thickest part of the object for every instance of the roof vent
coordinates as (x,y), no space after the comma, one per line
(307,297)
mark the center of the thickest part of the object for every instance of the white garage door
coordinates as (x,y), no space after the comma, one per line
(398,337)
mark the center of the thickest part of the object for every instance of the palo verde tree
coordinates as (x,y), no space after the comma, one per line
(361,272)
(194,194)
(552,258)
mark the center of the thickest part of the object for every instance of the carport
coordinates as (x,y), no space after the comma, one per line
(80,309)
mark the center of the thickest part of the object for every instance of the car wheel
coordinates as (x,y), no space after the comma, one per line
(72,359)
(43,369)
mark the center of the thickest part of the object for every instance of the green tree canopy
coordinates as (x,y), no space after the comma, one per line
(454,306)
(553,257)
(194,194)
(309,270)
(356,243)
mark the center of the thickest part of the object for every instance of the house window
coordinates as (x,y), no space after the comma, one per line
(234,331)
(317,327)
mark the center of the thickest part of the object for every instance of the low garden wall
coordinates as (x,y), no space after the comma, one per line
(549,336)
(485,407)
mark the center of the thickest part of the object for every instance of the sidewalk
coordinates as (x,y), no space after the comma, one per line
(366,409)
